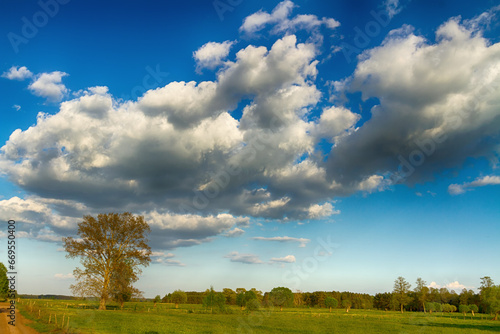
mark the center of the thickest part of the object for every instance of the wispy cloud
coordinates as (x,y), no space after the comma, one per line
(243,258)
(457,189)
(285,259)
(302,241)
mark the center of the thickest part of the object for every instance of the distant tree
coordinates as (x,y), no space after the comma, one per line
(473,309)
(244,298)
(430,306)
(486,282)
(213,299)
(438,307)
(421,292)
(178,297)
(230,296)
(281,296)
(466,296)
(400,292)
(166,298)
(298,298)
(258,294)
(463,309)
(4,283)
(383,301)
(346,303)
(490,296)
(105,244)
(331,302)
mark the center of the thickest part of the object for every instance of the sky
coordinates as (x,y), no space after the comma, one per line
(309,144)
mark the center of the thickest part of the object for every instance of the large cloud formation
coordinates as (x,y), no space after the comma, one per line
(180,155)
(439,105)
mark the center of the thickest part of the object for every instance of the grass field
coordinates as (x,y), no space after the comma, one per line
(144,318)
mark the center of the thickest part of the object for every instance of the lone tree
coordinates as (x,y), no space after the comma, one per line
(178,297)
(421,292)
(331,302)
(281,296)
(400,292)
(113,245)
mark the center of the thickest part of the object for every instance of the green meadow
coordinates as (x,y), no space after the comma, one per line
(146,318)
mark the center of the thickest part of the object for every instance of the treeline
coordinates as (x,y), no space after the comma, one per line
(345,300)
(428,299)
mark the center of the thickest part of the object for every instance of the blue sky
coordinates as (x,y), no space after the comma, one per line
(314,145)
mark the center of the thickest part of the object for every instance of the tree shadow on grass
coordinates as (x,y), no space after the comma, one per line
(494,327)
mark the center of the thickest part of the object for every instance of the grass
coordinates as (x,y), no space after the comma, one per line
(144,318)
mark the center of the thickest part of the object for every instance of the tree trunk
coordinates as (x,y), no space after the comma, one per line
(102,303)
(423,304)
(496,316)
(401,308)
(330,309)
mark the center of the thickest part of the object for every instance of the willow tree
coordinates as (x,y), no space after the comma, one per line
(113,245)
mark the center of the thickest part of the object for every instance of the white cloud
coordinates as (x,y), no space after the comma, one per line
(285,259)
(317,211)
(17,107)
(166,259)
(442,97)
(457,189)
(17,73)
(64,276)
(243,258)
(302,241)
(392,7)
(450,286)
(49,85)
(211,55)
(236,232)
(279,18)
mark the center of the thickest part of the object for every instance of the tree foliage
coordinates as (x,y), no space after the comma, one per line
(400,292)
(4,283)
(178,297)
(111,248)
(331,302)
(281,296)
(214,299)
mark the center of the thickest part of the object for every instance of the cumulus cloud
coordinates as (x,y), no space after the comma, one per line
(211,55)
(302,241)
(17,73)
(450,286)
(236,232)
(49,85)
(285,259)
(457,189)
(243,258)
(440,100)
(180,155)
(279,18)
(176,230)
